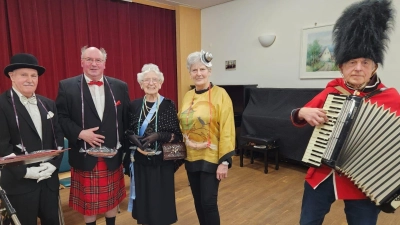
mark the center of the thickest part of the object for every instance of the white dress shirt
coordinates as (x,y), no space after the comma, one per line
(97,96)
(34,112)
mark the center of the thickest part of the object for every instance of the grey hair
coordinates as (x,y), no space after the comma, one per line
(147,68)
(102,50)
(195,57)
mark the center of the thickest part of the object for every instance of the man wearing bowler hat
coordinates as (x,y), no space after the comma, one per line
(29,123)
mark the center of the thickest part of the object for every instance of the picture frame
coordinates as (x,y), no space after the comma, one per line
(317,60)
(230,65)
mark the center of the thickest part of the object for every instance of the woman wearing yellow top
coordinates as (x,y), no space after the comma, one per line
(207,122)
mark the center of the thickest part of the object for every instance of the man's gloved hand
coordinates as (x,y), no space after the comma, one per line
(150,139)
(49,168)
(9,156)
(34,172)
(47,172)
(43,177)
(134,139)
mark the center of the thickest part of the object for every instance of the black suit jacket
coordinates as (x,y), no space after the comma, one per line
(12,177)
(69,107)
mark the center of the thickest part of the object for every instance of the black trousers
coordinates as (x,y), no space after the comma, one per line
(317,203)
(205,193)
(42,203)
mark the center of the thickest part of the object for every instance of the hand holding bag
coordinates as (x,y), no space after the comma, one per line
(174,151)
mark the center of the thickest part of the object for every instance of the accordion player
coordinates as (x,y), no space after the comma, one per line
(348,142)
(360,166)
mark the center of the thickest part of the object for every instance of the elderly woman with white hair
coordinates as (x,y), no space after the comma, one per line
(153,122)
(208,127)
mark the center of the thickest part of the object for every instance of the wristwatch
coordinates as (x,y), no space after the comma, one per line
(225,163)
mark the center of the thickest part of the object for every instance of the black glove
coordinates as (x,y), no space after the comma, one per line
(134,139)
(151,138)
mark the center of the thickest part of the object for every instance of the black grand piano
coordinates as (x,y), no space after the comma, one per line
(267,114)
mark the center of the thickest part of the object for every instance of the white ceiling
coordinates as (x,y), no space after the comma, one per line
(197,4)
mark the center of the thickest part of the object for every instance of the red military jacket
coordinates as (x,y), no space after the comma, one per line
(344,187)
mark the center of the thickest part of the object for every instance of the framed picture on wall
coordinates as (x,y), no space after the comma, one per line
(317,59)
(230,64)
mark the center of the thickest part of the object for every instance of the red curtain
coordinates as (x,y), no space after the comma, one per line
(55,30)
(5,50)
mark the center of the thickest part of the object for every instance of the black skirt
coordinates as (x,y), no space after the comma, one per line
(155,194)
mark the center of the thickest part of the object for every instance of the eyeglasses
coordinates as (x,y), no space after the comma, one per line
(154,80)
(90,60)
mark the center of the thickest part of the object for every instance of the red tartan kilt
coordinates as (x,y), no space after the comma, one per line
(98,191)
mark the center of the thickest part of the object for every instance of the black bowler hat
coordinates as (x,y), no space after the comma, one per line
(23,60)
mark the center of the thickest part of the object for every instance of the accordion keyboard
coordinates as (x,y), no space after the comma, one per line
(321,134)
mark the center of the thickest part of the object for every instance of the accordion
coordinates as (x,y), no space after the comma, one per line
(361,141)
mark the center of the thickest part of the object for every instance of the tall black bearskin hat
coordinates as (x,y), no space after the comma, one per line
(362,31)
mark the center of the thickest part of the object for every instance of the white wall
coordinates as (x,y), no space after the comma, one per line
(230,32)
